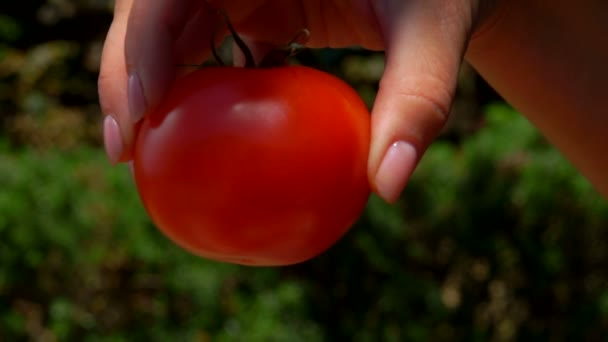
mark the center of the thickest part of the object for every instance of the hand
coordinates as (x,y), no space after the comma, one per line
(424,40)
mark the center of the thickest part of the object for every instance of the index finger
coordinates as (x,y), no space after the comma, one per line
(153,31)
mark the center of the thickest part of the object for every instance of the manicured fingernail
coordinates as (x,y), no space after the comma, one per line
(394,171)
(131,168)
(112,139)
(137,101)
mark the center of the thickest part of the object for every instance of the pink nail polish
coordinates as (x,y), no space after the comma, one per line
(137,101)
(131,169)
(112,139)
(396,168)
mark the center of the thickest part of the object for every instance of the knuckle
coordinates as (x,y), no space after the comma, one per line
(432,92)
(419,110)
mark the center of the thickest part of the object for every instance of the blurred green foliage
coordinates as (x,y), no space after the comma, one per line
(496,238)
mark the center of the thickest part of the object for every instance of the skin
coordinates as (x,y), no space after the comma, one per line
(548,61)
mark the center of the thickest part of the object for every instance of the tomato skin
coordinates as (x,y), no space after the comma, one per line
(255,166)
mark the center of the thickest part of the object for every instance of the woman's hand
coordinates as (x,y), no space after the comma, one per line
(424,40)
(547,60)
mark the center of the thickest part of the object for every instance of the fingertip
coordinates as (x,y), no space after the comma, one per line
(131,169)
(112,139)
(117,149)
(394,171)
(404,124)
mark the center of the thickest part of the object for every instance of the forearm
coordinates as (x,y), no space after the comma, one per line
(550,61)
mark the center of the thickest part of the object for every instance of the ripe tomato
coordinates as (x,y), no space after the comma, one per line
(255,166)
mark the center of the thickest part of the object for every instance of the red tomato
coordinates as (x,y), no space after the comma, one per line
(255,166)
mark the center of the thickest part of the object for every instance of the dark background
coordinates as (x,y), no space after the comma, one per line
(496,238)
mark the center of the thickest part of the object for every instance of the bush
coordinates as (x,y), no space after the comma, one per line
(497,238)
(81,261)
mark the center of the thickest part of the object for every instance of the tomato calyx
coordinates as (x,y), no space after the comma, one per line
(279,55)
(275,57)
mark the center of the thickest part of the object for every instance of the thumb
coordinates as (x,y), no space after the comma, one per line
(425,43)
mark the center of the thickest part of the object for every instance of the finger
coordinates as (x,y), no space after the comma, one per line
(112,87)
(155,28)
(425,45)
(203,30)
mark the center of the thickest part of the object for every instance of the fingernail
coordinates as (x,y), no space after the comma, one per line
(112,139)
(394,171)
(137,101)
(132,169)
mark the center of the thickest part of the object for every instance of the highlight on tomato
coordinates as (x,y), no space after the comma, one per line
(263,165)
